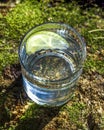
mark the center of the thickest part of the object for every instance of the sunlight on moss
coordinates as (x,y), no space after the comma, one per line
(31,13)
(76,114)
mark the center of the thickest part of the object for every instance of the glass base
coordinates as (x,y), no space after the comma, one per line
(52,98)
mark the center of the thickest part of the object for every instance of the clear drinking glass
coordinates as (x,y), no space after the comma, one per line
(51,57)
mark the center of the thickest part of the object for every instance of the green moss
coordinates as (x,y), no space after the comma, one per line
(94,65)
(7,54)
(31,13)
(76,113)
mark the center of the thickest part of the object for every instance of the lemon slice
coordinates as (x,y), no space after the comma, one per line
(45,40)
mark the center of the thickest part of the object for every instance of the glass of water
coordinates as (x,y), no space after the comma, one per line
(51,57)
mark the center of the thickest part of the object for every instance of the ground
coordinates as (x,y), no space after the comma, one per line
(85,111)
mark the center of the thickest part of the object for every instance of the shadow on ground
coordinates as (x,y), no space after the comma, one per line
(9,98)
(36,118)
(13,100)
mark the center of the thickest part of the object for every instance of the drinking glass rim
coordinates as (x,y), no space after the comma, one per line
(37,78)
